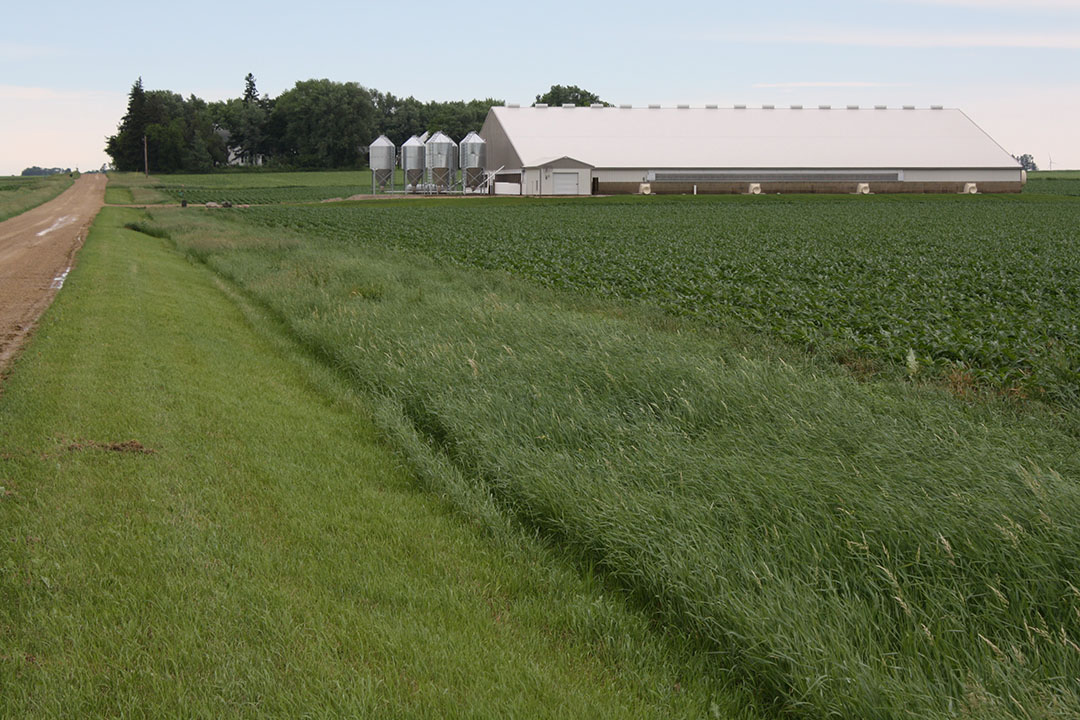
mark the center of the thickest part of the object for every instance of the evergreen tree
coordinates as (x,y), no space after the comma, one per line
(251,93)
(126,147)
(179,133)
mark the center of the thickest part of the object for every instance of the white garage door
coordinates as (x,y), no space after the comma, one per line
(564,183)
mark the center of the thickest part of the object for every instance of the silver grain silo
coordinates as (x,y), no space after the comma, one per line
(412,161)
(472,156)
(381,157)
(441,160)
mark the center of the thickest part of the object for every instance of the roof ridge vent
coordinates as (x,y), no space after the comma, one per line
(626,107)
(568,105)
(711,107)
(909,107)
(881,107)
(767,107)
(937,107)
(852,107)
(683,107)
(740,107)
(824,107)
(540,105)
(796,107)
(597,105)
(654,107)
(513,105)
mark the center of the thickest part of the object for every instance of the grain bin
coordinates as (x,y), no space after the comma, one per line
(413,155)
(381,159)
(472,155)
(441,160)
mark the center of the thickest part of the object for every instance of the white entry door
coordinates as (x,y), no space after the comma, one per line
(564,183)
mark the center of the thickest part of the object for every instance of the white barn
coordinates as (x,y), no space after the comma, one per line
(602,150)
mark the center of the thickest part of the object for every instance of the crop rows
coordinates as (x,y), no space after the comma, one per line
(259,188)
(262,195)
(984,291)
(1066,185)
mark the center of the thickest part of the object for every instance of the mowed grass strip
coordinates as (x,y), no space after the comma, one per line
(846,549)
(19,194)
(197,521)
(134,188)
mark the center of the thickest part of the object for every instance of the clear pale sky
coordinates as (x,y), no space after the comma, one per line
(1012,65)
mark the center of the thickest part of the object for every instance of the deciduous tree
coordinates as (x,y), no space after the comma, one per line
(563,94)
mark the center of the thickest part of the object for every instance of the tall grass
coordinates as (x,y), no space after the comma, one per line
(845,549)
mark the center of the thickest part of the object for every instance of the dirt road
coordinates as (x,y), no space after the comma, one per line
(37,250)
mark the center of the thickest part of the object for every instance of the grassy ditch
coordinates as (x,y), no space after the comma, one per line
(19,194)
(200,521)
(845,549)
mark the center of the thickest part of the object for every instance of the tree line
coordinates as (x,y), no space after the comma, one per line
(36,171)
(314,124)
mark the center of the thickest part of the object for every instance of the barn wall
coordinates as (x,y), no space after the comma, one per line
(500,151)
(547,179)
(531,182)
(623,188)
(962,176)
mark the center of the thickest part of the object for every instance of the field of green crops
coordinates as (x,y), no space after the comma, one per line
(1063,184)
(981,292)
(258,179)
(239,188)
(1057,182)
(19,194)
(263,196)
(255,188)
(837,548)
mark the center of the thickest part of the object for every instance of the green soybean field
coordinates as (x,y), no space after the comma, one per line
(981,292)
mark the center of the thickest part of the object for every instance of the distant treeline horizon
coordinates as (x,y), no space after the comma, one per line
(36,171)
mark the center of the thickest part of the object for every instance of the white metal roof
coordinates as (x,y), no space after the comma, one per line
(750,138)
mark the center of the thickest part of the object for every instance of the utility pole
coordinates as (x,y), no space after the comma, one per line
(145,158)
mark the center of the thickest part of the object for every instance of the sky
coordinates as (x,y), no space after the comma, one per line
(1012,65)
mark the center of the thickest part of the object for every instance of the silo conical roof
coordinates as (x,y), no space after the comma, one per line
(440,137)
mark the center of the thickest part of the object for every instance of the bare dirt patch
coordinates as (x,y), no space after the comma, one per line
(37,250)
(128,446)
